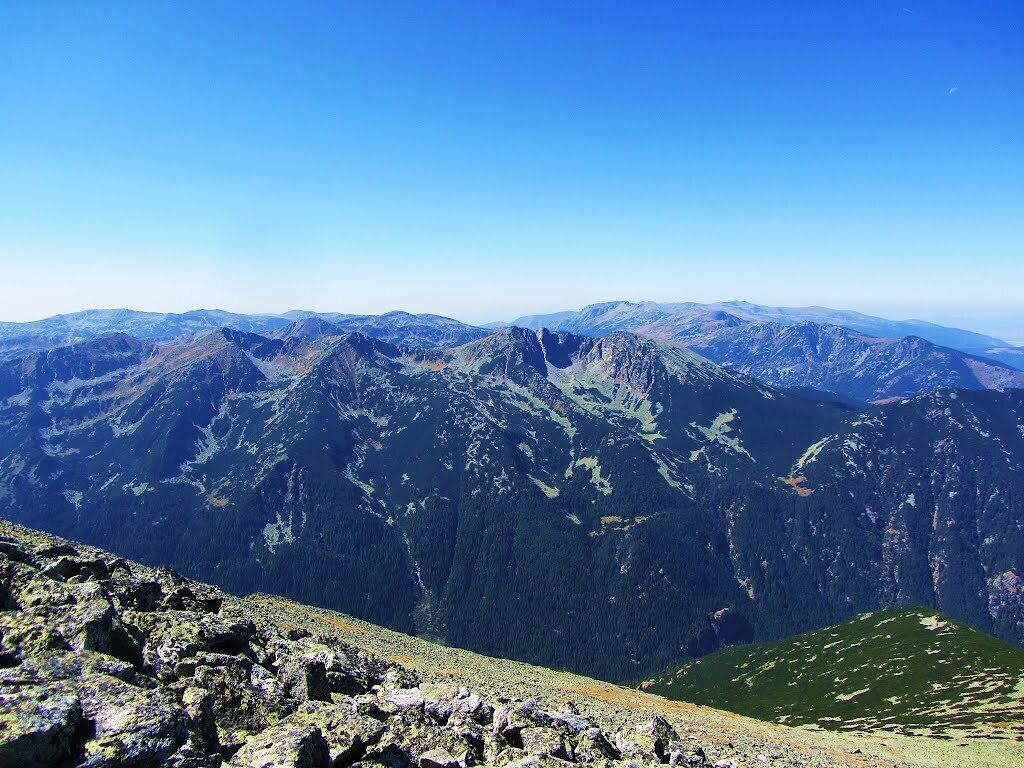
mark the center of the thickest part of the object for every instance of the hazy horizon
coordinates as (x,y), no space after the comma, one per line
(485,162)
(1004,323)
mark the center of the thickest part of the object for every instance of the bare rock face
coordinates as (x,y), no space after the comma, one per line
(108,664)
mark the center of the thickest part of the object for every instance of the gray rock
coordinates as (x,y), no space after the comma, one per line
(592,746)
(304,678)
(683,756)
(402,699)
(37,725)
(348,733)
(285,745)
(648,741)
(543,740)
(132,726)
(438,758)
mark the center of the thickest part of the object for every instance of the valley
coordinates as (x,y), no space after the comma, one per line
(607,505)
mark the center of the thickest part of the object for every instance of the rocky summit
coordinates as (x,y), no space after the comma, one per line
(107,663)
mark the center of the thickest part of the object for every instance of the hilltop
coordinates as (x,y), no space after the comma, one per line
(908,670)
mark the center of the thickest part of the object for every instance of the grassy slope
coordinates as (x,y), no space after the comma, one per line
(725,735)
(909,670)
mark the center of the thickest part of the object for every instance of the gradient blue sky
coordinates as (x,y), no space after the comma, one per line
(487,159)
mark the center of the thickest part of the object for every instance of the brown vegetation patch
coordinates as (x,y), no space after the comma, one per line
(795,482)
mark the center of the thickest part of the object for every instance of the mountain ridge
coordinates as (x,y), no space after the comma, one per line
(597,319)
(61,330)
(524,469)
(125,664)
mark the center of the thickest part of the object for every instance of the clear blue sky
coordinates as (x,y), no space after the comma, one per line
(489,159)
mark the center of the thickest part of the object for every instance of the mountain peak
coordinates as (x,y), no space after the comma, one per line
(308,329)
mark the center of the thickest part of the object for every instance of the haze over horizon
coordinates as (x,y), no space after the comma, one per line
(485,163)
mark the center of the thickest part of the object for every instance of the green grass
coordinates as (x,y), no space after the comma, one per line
(909,670)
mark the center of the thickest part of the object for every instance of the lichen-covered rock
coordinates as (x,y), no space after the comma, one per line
(438,758)
(402,699)
(412,733)
(37,725)
(592,747)
(649,741)
(304,678)
(348,733)
(107,663)
(542,740)
(130,725)
(688,756)
(285,745)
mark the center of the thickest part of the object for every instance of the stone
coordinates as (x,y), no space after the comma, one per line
(66,567)
(648,741)
(568,722)
(37,725)
(682,756)
(285,745)
(592,746)
(402,699)
(541,761)
(543,740)
(437,758)
(348,733)
(412,733)
(132,726)
(304,679)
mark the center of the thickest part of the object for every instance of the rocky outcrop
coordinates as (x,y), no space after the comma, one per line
(107,663)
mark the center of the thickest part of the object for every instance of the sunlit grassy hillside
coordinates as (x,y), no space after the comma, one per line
(911,670)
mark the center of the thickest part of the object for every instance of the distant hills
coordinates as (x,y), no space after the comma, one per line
(831,358)
(395,327)
(853,355)
(599,319)
(609,505)
(910,670)
(847,354)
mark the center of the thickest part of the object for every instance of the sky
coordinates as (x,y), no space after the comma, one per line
(486,160)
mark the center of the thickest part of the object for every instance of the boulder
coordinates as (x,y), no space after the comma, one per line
(402,699)
(543,740)
(412,733)
(67,567)
(592,746)
(285,745)
(131,725)
(686,756)
(437,758)
(37,724)
(648,741)
(348,733)
(304,678)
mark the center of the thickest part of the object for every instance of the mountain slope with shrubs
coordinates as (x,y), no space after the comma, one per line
(610,506)
(107,663)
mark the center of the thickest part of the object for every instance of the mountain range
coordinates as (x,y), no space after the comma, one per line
(16,339)
(609,505)
(848,354)
(831,358)
(599,319)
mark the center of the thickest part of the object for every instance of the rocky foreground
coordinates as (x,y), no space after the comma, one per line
(104,662)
